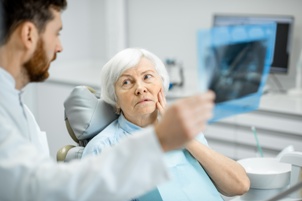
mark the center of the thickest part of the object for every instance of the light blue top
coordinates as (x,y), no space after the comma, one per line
(189,180)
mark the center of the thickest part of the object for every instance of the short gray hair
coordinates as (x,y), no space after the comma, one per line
(122,61)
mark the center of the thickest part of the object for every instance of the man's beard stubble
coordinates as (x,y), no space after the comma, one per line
(38,65)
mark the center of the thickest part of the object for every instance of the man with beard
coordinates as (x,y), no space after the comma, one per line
(35,65)
(29,41)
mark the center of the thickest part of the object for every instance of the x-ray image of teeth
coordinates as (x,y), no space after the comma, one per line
(237,69)
(234,62)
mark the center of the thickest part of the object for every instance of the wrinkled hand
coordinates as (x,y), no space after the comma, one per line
(184,119)
(161,104)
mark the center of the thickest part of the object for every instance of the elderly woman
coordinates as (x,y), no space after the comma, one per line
(134,82)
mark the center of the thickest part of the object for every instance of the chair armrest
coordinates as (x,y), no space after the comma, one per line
(69,152)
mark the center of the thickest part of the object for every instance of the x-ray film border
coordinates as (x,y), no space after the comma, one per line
(233,35)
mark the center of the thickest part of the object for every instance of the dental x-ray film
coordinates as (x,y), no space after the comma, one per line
(234,62)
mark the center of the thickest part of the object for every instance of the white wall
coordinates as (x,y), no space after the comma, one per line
(168,27)
(93,30)
(165,27)
(83,35)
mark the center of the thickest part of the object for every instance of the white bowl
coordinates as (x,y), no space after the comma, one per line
(266,173)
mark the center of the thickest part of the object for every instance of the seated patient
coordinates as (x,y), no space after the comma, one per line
(134,82)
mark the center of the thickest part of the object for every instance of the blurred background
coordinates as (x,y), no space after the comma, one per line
(94,30)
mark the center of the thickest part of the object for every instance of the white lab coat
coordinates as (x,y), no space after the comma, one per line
(27,172)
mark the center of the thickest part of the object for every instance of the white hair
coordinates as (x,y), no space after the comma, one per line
(122,61)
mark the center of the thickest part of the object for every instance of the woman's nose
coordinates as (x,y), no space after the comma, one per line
(140,89)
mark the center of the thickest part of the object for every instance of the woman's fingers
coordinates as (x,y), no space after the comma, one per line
(161,104)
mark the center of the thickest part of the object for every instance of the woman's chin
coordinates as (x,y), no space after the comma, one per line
(146,111)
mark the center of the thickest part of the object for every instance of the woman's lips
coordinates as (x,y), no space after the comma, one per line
(143,101)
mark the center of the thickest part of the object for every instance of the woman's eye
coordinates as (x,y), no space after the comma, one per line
(126,82)
(148,76)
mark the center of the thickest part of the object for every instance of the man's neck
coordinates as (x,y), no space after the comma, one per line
(10,61)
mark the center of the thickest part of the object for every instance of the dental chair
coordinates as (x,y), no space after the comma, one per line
(85,116)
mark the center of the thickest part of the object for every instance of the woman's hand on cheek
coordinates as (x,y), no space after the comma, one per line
(161,103)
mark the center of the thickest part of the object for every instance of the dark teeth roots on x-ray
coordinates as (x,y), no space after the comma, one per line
(237,69)
(234,62)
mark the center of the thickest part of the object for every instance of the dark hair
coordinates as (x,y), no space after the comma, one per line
(15,12)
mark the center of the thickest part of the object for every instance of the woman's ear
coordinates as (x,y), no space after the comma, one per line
(118,110)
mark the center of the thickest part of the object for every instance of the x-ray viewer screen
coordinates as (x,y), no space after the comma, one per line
(283,39)
(237,69)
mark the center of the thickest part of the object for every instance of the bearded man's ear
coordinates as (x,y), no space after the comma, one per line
(29,35)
